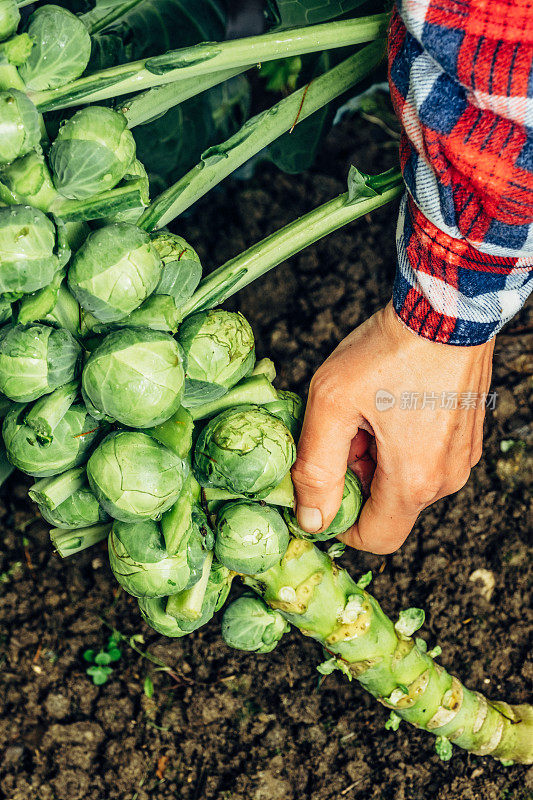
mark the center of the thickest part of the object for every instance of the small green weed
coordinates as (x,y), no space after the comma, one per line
(100,669)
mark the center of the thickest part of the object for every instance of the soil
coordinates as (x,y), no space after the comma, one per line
(223,725)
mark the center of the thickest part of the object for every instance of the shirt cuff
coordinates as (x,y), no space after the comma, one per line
(447,291)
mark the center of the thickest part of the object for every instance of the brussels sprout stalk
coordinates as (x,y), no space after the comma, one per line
(151,104)
(209,57)
(176,433)
(189,604)
(324,602)
(48,411)
(255,389)
(51,492)
(280,495)
(221,160)
(245,268)
(67,542)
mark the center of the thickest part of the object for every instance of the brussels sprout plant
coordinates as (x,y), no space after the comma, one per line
(136,401)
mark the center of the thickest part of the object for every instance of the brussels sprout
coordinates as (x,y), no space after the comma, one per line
(93,151)
(61,51)
(187,611)
(289,407)
(72,434)
(35,360)
(32,250)
(142,565)
(29,182)
(249,624)
(134,477)
(219,348)
(114,271)
(66,500)
(352,500)
(250,538)
(245,450)
(9,18)
(135,377)
(19,125)
(181,270)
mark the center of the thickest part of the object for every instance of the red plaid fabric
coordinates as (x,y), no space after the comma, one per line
(461,78)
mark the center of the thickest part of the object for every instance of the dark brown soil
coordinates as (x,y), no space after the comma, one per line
(231,726)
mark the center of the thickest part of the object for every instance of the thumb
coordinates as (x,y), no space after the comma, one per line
(320,467)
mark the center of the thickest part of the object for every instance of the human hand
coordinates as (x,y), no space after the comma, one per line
(406,458)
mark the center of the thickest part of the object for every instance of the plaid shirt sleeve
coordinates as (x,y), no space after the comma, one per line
(461,78)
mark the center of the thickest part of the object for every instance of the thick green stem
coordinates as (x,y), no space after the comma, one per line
(123,198)
(155,102)
(67,543)
(222,160)
(237,273)
(209,57)
(325,603)
(176,433)
(53,491)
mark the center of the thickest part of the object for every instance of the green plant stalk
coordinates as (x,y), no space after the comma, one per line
(323,601)
(280,495)
(209,57)
(100,17)
(67,543)
(99,206)
(237,273)
(189,604)
(255,389)
(176,433)
(53,491)
(151,104)
(106,204)
(222,160)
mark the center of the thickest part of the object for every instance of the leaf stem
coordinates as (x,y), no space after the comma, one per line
(237,273)
(100,16)
(209,57)
(151,104)
(220,161)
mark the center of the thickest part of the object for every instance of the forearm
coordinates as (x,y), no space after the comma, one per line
(464,237)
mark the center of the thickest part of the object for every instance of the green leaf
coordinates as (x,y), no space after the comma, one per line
(365,580)
(393,722)
(290,13)
(148,687)
(99,674)
(295,151)
(336,550)
(199,392)
(102,658)
(114,640)
(421,644)
(358,186)
(114,654)
(444,748)
(409,621)
(89,656)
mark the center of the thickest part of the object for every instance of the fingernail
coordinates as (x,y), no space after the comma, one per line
(310,519)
